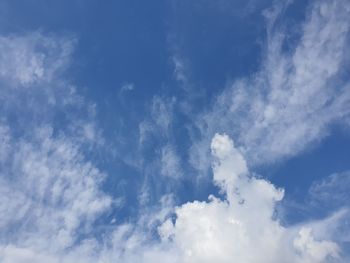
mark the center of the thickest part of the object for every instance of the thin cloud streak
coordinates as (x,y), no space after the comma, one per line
(295,97)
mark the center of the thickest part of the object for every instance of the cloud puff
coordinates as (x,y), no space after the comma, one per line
(243,227)
(297,94)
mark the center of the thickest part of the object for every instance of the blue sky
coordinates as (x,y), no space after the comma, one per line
(174,131)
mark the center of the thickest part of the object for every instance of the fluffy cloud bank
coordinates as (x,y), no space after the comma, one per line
(243,227)
(59,193)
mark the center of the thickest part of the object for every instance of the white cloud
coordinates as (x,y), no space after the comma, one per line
(32,58)
(295,96)
(243,227)
(49,191)
(34,90)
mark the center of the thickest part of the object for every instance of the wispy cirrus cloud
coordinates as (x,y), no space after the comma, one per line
(50,195)
(32,58)
(297,94)
(160,159)
(332,191)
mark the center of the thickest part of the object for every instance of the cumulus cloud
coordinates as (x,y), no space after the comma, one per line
(294,98)
(60,194)
(243,227)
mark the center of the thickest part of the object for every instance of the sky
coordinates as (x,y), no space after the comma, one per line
(175,131)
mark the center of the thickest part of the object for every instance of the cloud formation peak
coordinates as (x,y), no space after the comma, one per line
(243,227)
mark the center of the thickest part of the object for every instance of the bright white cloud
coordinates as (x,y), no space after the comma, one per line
(243,227)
